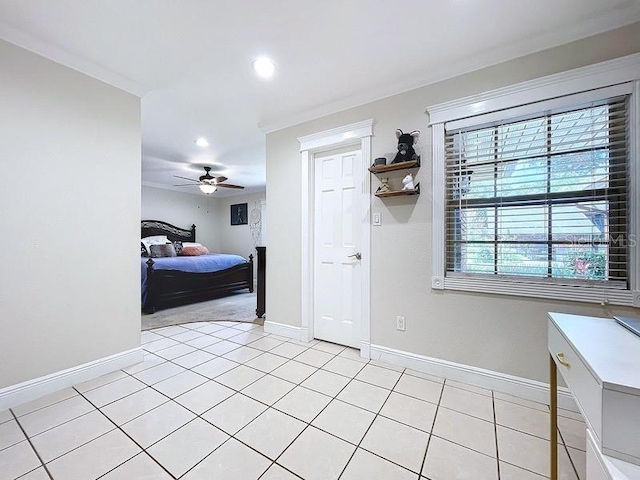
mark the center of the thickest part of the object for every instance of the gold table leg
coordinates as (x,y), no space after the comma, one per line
(553,384)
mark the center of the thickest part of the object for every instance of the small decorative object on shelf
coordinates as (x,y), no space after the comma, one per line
(406,151)
(379,161)
(407,182)
(384,188)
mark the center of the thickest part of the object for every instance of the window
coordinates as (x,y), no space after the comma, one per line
(541,197)
(535,187)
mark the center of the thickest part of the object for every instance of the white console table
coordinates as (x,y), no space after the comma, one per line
(600,363)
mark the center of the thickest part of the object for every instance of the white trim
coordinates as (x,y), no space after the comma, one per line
(634,186)
(480,377)
(283,330)
(604,74)
(437,206)
(31,389)
(365,349)
(358,134)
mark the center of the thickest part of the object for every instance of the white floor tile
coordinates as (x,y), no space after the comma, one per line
(159,345)
(419,388)
(140,467)
(276,472)
(302,403)
(426,376)
(64,438)
(574,433)
(245,326)
(521,401)
(468,402)
(448,461)
(465,430)
(204,397)
(266,343)
(94,458)
(210,328)
(382,377)
(242,354)
(469,388)
(111,392)
(150,360)
(10,434)
(158,373)
(344,366)
(186,336)
(232,461)
(410,411)
(288,350)
(353,354)
(101,380)
(293,371)
(18,460)
(239,377)
(267,362)
(345,421)
(157,423)
(202,341)
(364,395)
(149,336)
(37,474)
(268,389)
(525,419)
(366,466)
(326,382)
(316,455)
(579,459)
(44,401)
(187,446)
(331,348)
(511,472)
(389,366)
(128,408)
(175,351)
(240,337)
(54,415)
(221,347)
(315,358)
(215,367)
(523,450)
(179,384)
(5,416)
(194,359)
(234,413)
(170,331)
(271,433)
(396,442)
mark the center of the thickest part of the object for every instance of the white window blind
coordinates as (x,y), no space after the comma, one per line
(541,197)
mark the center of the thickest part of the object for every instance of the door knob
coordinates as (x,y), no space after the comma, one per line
(356,255)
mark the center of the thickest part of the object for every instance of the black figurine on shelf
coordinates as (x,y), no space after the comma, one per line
(406,153)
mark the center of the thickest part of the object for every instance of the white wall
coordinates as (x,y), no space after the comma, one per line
(184,210)
(500,333)
(237,238)
(69,216)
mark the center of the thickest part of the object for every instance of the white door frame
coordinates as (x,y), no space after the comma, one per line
(357,135)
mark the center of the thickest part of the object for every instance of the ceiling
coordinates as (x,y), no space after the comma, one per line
(190,60)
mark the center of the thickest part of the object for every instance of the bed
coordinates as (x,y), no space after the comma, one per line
(173,281)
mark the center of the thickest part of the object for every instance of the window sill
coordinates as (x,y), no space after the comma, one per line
(575,293)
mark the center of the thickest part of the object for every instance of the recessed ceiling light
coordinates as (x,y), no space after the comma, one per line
(202,142)
(264,67)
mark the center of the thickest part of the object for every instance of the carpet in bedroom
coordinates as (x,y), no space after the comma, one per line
(239,307)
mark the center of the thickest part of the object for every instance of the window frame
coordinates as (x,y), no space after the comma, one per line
(529,97)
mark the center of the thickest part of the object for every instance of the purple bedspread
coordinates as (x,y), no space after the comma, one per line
(212,262)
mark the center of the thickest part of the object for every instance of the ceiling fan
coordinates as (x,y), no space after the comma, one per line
(208,183)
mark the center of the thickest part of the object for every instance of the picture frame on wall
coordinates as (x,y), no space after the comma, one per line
(239,214)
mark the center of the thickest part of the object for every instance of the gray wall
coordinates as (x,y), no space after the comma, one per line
(69,214)
(500,333)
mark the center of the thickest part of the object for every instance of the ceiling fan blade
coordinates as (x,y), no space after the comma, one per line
(228,185)
(185,178)
(186,185)
(220,179)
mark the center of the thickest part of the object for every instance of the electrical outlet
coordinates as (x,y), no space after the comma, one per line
(377,219)
(401,323)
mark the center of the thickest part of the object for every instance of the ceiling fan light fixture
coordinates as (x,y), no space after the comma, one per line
(207,188)
(264,67)
(202,142)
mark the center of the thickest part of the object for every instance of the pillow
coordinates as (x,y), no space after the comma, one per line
(163,250)
(177,245)
(155,240)
(194,251)
(191,244)
(143,250)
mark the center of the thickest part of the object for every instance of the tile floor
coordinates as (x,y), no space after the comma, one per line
(225,400)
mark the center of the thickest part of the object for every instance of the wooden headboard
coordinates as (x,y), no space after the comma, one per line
(149,228)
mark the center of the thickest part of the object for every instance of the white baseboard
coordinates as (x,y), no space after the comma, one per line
(501,382)
(31,389)
(284,330)
(365,349)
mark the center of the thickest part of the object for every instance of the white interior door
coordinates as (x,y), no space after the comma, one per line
(337,230)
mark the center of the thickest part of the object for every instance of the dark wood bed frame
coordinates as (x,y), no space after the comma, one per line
(169,288)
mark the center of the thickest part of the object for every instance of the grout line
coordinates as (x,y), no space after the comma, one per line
(495,432)
(433,425)
(44,465)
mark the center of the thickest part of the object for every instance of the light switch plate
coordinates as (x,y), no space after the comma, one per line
(377,219)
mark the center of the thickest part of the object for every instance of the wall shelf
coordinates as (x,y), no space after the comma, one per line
(394,166)
(400,193)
